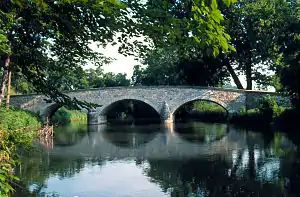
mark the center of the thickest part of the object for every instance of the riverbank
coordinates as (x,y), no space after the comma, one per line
(17,129)
(268,111)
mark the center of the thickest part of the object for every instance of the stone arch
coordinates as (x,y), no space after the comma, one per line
(102,110)
(50,109)
(188,100)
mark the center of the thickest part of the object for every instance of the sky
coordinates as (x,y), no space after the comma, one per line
(123,64)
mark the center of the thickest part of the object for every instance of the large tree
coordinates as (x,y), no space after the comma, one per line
(166,67)
(255,26)
(40,37)
(51,36)
(290,74)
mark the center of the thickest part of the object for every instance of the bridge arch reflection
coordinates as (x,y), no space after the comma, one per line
(156,142)
(129,137)
(199,132)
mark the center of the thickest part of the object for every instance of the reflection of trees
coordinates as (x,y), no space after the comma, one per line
(201,132)
(201,177)
(70,134)
(254,171)
(129,136)
(36,167)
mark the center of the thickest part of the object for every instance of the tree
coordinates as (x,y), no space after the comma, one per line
(162,69)
(290,74)
(255,26)
(166,67)
(40,37)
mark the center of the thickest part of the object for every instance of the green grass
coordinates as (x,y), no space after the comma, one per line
(64,115)
(14,119)
(16,130)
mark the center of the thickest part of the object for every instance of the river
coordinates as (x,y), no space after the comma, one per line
(189,159)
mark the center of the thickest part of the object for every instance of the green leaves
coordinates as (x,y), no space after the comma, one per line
(228,2)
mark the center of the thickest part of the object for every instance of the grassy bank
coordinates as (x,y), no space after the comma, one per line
(14,119)
(268,111)
(16,130)
(65,115)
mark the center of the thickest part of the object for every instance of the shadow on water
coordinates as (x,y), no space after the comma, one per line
(255,165)
(199,132)
(130,137)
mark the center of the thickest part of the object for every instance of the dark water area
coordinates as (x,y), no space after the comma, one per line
(191,159)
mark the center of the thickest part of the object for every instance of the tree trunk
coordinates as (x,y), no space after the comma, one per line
(249,75)
(4,77)
(8,89)
(233,75)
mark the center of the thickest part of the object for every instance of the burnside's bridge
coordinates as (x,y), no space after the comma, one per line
(165,100)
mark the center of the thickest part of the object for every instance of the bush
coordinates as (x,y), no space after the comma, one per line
(13,119)
(207,106)
(262,116)
(65,115)
(269,107)
(16,129)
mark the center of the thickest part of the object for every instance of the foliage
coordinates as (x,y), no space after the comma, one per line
(50,39)
(269,110)
(14,119)
(203,110)
(165,66)
(188,24)
(269,107)
(255,26)
(183,56)
(16,129)
(8,158)
(206,106)
(97,78)
(290,45)
(65,115)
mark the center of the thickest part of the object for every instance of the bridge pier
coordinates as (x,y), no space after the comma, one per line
(94,118)
(169,120)
(102,119)
(166,116)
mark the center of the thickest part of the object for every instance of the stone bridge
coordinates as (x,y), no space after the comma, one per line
(165,100)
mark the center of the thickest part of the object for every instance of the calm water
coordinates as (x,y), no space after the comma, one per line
(192,159)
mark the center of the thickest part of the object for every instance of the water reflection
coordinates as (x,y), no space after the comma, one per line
(200,132)
(186,160)
(130,137)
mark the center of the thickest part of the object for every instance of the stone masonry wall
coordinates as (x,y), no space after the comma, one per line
(165,100)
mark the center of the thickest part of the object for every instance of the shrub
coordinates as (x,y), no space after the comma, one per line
(65,115)
(269,107)
(13,119)
(15,130)
(207,106)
